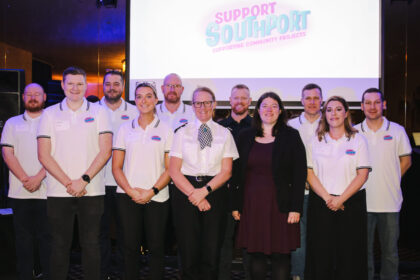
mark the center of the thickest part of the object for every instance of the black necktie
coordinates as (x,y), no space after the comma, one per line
(204,136)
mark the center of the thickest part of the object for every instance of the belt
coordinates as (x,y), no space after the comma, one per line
(199,178)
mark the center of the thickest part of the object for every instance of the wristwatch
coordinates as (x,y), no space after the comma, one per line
(155,190)
(209,189)
(86,178)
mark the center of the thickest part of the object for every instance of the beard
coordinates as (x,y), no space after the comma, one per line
(171,97)
(34,106)
(241,110)
(112,96)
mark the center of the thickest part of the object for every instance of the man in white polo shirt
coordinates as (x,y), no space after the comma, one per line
(119,112)
(390,153)
(27,191)
(74,144)
(172,110)
(306,124)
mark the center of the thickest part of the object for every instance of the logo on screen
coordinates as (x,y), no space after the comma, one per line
(258,24)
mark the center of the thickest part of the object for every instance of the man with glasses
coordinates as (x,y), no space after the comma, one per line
(172,110)
(27,190)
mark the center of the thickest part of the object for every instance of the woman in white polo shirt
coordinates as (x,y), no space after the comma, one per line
(200,164)
(140,161)
(338,166)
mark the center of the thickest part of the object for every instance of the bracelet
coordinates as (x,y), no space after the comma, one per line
(155,190)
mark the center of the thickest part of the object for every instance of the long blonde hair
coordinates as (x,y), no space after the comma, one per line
(324,127)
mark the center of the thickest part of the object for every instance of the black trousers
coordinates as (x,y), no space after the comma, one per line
(150,218)
(337,241)
(31,231)
(199,234)
(61,214)
(110,215)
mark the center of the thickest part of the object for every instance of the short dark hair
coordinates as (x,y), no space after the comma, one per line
(114,72)
(312,86)
(240,86)
(73,70)
(281,121)
(373,90)
(146,84)
(205,89)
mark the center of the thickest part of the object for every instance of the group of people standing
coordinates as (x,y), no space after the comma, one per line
(299,188)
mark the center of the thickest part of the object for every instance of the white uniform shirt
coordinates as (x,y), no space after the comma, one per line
(144,160)
(124,114)
(74,143)
(206,162)
(335,162)
(386,146)
(306,130)
(19,132)
(183,115)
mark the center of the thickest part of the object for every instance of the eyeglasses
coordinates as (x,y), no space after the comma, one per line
(199,104)
(169,86)
(273,107)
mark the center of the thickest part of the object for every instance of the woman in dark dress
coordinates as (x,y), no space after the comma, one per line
(268,189)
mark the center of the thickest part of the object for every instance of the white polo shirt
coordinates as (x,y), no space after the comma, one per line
(123,114)
(335,162)
(74,143)
(183,115)
(206,162)
(19,133)
(386,146)
(145,149)
(306,130)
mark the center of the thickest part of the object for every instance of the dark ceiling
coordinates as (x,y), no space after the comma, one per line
(66,32)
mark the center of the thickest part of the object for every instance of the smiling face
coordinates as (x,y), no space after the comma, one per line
(311,101)
(240,101)
(34,98)
(145,100)
(113,88)
(373,105)
(335,114)
(269,111)
(74,87)
(172,89)
(205,112)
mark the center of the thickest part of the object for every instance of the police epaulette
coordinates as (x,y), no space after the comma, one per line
(180,127)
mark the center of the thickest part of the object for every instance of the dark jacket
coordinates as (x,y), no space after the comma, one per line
(288,164)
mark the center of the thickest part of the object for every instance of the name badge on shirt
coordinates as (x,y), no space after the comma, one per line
(62,125)
(388,137)
(183,121)
(22,127)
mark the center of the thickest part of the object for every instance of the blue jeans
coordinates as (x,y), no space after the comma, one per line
(388,231)
(298,256)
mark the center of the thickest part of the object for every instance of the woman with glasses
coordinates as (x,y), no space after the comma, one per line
(338,166)
(200,164)
(140,162)
(268,189)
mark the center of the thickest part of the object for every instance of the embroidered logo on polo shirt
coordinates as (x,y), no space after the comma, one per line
(350,152)
(183,120)
(156,138)
(388,137)
(89,119)
(125,117)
